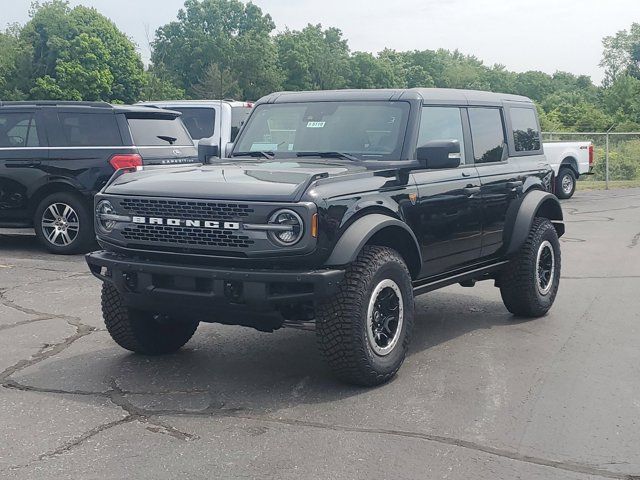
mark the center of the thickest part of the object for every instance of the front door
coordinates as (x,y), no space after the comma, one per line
(22,152)
(447,218)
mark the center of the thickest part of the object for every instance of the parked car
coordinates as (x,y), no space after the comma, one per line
(337,208)
(212,123)
(54,157)
(569,160)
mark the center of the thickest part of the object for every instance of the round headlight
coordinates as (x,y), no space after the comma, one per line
(104,209)
(290,227)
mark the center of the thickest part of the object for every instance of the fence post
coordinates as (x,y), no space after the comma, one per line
(606,162)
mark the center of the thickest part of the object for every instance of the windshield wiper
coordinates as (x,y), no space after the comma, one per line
(342,155)
(166,138)
(256,154)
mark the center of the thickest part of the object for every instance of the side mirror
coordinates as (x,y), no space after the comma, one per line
(205,152)
(439,154)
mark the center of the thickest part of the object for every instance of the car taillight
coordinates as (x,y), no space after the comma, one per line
(129,161)
(591,155)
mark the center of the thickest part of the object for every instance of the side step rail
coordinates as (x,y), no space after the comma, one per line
(475,274)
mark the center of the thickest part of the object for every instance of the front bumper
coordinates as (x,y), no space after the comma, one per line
(157,286)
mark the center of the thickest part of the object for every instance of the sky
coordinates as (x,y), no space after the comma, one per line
(546,35)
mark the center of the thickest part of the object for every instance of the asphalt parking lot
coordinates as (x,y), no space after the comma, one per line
(480,396)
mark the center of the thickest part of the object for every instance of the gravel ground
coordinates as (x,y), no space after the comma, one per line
(480,396)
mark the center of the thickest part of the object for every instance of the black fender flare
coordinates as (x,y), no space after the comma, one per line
(522,213)
(360,232)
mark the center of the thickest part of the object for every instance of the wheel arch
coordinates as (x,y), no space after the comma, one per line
(51,188)
(536,203)
(381,230)
(571,162)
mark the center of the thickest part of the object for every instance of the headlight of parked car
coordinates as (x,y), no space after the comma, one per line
(288,227)
(106,215)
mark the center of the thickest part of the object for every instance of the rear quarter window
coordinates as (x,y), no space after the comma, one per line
(90,129)
(149,132)
(199,121)
(526,135)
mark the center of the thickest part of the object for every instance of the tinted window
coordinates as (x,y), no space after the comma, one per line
(441,123)
(150,132)
(18,130)
(238,116)
(487,132)
(90,129)
(367,130)
(199,121)
(526,136)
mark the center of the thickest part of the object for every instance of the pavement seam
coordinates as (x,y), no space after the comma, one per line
(118,398)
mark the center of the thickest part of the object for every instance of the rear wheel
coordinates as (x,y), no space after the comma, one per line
(364,331)
(530,281)
(64,223)
(143,332)
(565,183)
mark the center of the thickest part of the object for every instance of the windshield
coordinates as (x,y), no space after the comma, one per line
(365,130)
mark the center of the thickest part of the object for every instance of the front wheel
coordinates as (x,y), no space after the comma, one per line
(143,332)
(364,330)
(529,283)
(565,183)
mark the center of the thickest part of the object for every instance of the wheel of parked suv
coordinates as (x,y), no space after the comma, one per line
(143,332)
(364,330)
(565,183)
(530,281)
(64,223)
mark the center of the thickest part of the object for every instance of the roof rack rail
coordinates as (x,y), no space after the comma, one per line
(57,103)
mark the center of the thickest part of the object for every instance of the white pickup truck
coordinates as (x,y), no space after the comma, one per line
(212,123)
(569,160)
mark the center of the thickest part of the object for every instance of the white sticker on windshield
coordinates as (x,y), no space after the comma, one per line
(315,124)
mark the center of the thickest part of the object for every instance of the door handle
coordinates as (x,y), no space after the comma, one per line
(29,163)
(513,185)
(471,190)
(466,174)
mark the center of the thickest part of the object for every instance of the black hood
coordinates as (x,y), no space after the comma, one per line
(273,180)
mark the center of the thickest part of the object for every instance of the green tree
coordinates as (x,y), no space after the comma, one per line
(621,54)
(368,71)
(313,58)
(227,33)
(217,84)
(79,54)
(12,64)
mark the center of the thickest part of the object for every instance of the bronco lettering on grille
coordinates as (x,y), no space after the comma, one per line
(176,222)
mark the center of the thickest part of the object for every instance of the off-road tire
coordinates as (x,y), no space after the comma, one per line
(138,331)
(341,323)
(519,280)
(570,176)
(85,238)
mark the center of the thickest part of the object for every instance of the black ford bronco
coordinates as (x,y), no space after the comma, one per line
(334,209)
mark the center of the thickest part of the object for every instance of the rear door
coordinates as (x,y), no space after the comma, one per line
(23,150)
(161,139)
(447,215)
(501,180)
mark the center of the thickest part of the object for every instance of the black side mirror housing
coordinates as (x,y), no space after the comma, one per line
(439,154)
(205,152)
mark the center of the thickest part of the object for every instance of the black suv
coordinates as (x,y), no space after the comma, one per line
(54,157)
(335,208)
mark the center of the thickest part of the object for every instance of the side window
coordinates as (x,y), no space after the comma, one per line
(90,129)
(487,132)
(526,135)
(441,123)
(18,130)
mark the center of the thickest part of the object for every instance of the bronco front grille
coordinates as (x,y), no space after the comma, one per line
(190,237)
(185,209)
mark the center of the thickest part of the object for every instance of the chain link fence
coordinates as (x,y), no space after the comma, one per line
(617,156)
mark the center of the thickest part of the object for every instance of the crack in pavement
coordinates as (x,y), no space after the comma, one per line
(634,240)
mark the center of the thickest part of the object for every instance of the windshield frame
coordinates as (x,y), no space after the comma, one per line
(399,153)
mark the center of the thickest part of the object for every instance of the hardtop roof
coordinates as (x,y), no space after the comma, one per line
(438,95)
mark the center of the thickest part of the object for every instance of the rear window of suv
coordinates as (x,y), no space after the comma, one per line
(526,135)
(199,121)
(149,132)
